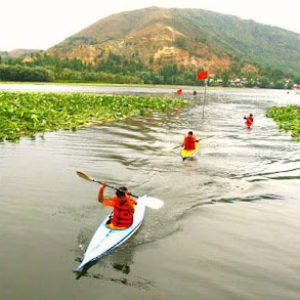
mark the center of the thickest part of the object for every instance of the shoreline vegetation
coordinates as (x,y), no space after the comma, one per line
(117,69)
(287,118)
(66,82)
(29,113)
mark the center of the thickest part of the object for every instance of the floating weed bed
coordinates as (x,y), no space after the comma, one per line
(287,118)
(25,114)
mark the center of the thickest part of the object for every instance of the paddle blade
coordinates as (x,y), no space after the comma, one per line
(170,149)
(84,176)
(151,202)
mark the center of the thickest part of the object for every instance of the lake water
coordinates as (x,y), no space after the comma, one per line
(230,227)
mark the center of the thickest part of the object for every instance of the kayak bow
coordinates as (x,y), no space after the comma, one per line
(106,240)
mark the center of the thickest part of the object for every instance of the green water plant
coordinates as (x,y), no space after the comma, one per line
(25,114)
(287,118)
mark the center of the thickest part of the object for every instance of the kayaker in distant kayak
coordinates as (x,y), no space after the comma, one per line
(249,120)
(189,142)
(123,205)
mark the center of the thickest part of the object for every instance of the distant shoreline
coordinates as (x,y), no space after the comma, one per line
(175,87)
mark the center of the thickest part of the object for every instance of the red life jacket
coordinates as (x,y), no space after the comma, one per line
(122,217)
(249,121)
(189,143)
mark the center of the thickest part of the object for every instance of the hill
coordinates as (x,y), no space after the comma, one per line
(188,37)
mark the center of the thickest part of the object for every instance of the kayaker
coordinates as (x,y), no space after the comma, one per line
(123,205)
(189,142)
(249,120)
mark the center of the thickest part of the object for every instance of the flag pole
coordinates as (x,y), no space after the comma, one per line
(203,76)
(205,85)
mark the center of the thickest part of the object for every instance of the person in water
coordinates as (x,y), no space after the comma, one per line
(123,205)
(249,120)
(189,142)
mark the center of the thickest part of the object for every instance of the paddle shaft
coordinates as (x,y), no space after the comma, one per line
(85,176)
(114,188)
(197,141)
(151,202)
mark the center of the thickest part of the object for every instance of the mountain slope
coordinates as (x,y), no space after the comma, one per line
(190,37)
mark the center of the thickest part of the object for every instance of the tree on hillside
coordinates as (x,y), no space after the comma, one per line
(180,43)
(225,78)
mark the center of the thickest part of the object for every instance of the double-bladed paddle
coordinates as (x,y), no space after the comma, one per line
(151,202)
(178,146)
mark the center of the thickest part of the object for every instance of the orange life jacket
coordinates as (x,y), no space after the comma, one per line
(189,143)
(122,216)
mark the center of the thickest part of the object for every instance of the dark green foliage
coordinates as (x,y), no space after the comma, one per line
(82,40)
(22,73)
(58,64)
(117,64)
(264,83)
(180,43)
(25,114)
(279,84)
(287,118)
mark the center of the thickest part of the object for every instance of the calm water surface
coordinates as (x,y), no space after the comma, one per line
(229,228)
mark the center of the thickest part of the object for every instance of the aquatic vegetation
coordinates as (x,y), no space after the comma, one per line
(287,118)
(25,114)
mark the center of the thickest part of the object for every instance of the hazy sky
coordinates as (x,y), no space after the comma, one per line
(40,24)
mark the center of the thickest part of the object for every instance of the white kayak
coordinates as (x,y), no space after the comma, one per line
(106,240)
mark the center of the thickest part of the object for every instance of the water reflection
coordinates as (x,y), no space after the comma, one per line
(121,261)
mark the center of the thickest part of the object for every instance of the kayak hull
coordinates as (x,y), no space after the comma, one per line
(106,240)
(186,154)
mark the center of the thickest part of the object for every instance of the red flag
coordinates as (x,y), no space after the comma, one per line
(202,75)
